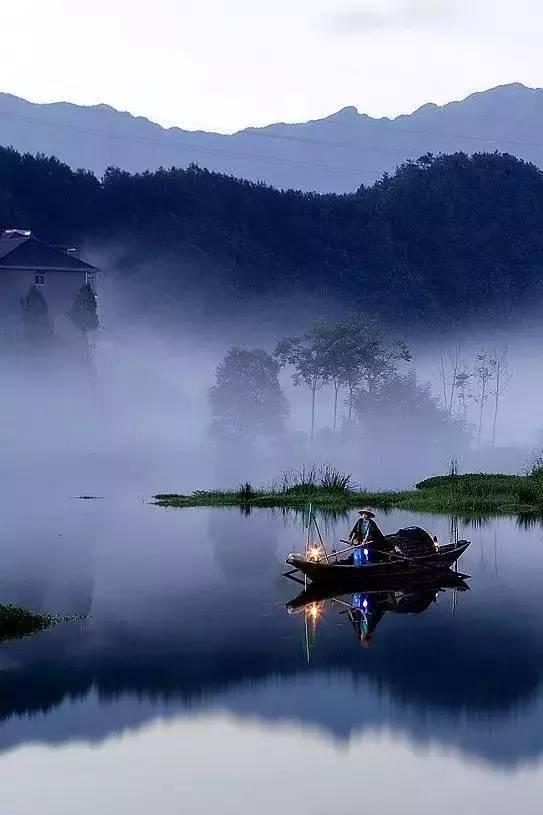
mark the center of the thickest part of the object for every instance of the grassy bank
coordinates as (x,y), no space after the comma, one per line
(453,494)
(16,622)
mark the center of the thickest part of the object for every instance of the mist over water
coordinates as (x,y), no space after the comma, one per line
(137,421)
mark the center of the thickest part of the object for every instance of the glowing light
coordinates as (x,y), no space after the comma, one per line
(315,553)
(365,604)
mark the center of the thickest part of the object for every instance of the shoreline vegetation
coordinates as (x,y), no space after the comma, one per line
(17,622)
(326,489)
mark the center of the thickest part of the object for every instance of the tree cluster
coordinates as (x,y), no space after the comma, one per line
(480,381)
(37,323)
(356,358)
(351,355)
(247,398)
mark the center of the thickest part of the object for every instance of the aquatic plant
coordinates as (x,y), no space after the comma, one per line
(529,494)
(17,622)
(313,477)
(246,491)
(533,466)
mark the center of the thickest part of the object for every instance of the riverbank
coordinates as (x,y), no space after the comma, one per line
(473,493)
(17,622)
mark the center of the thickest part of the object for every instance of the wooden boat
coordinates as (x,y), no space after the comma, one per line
(398,567)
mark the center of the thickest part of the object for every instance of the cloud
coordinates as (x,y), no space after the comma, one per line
(408,14)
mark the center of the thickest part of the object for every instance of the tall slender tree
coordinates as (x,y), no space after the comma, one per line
(463,379)
(340,358)
(84,311)
(350,348)
(450,367)
(482,376)
(308,355)
(36,320)
(501,376)
(382,364)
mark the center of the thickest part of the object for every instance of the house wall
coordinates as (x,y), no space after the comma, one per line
(59,291)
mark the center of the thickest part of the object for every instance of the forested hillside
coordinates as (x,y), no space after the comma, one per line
(445,238)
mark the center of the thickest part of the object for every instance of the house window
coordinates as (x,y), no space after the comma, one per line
(39,280)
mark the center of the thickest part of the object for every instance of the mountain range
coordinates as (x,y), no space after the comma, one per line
(334,154)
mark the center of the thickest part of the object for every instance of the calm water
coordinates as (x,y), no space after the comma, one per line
(190,689)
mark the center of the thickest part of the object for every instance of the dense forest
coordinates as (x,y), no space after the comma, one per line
(444,239)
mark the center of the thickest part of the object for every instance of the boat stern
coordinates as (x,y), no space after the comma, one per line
(296,560)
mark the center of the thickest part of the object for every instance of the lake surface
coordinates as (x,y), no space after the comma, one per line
(191,689)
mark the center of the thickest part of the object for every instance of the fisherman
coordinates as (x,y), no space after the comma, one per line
(371,544)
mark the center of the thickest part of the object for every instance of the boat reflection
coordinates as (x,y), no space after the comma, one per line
(364,610)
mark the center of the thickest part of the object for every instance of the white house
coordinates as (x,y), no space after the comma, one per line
(58,273)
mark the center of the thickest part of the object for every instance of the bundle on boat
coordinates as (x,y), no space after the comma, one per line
(413,541)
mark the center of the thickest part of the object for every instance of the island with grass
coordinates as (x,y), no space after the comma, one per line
(327,489)
(17,622)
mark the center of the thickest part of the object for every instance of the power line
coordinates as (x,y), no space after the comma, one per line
(159,140)
(391,127)
(242,155)
(260,133)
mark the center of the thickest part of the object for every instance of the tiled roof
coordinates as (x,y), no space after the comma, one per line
(30,253)
(9,244)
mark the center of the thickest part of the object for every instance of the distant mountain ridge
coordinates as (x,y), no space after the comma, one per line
(333,154)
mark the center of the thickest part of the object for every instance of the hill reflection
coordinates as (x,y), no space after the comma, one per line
(206,629)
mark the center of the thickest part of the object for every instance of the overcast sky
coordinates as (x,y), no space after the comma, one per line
(224,64)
